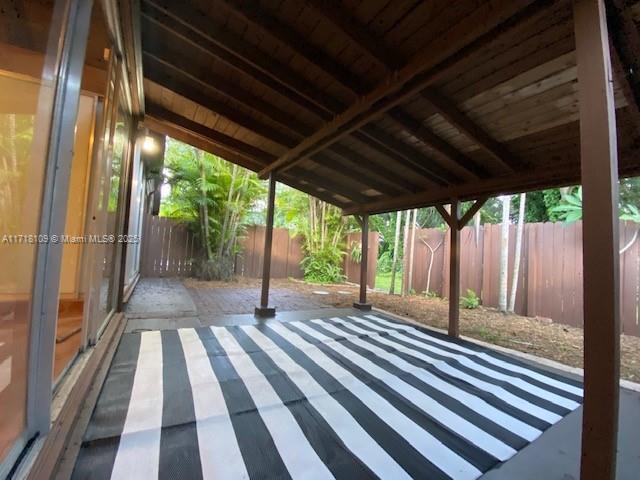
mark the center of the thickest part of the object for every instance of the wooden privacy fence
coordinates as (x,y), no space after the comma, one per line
(286,254)
(168,248)
(550,277)
(352,268)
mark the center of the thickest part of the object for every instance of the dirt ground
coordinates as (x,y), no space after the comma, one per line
(553,341)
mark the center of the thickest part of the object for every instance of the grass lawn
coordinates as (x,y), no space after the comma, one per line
(383,281)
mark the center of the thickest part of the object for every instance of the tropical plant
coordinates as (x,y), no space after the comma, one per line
(470,301)
(214,198)
(322,228)
(570,207)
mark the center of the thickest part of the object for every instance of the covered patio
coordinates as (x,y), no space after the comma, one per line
(376,106)
(207,394)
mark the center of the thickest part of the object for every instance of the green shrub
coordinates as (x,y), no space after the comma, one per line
(385,262)
(470,301)
(324,266)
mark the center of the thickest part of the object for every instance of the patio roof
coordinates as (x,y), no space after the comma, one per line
(377,106)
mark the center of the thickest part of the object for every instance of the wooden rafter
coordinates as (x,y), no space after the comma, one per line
(248,155)
(238,53)
(516,183)
(186,89)
(625,53)
(336,14)
(420,72)
(243,59)
(419,131)
(464,124)
(251,12)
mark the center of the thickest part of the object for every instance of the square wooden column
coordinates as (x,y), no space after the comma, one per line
(362,304)
(264,310)
(601,262)
(456,222)
(454,271)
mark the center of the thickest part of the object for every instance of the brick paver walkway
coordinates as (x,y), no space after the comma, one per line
(225,301)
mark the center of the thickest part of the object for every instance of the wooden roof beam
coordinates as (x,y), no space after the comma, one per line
(359,35)
(207,80)
(515,183)
(464,124)
(422,133)
(236,52)
(491,19)
(186,89)
(626,53)
(248,152)
(256,16)
(218,138)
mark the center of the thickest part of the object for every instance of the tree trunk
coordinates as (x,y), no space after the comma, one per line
(518,253)
(405,265)
(396,245)
(504,254)
(204,208)
(413,248)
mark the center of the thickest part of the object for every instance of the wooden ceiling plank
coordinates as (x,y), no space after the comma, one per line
(397,149)
(187,90)
(468,127)
(196,74)
(280,72)
(214,136)
(422,133)
(251,12)
(464,40)
(239,53)
(357,171)
(336,13)
(389,174)
(626,53)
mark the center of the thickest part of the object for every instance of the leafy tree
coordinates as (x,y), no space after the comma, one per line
(214,198)
(322,227)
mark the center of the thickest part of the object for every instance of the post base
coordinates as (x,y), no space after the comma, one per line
(365,307)
(265,312)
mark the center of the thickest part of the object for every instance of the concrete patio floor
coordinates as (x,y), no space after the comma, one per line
(159,304)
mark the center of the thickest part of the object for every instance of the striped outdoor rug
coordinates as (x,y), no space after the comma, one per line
(353,397)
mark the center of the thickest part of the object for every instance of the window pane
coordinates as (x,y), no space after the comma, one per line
(26,101)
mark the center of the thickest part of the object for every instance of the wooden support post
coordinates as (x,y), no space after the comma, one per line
(456,222)
(264,310)
(600,242)
(454,271)
(362,304)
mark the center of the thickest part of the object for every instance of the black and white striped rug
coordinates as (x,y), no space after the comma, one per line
(353,397)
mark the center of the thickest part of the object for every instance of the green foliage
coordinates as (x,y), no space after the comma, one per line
(323,266)
(385,262)
(470,301)
(356,252)
(214,198)
(630,212)
(431,294)
(322,227)
(570,208)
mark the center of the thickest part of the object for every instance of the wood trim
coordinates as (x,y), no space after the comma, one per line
(421,71)
(83,396)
